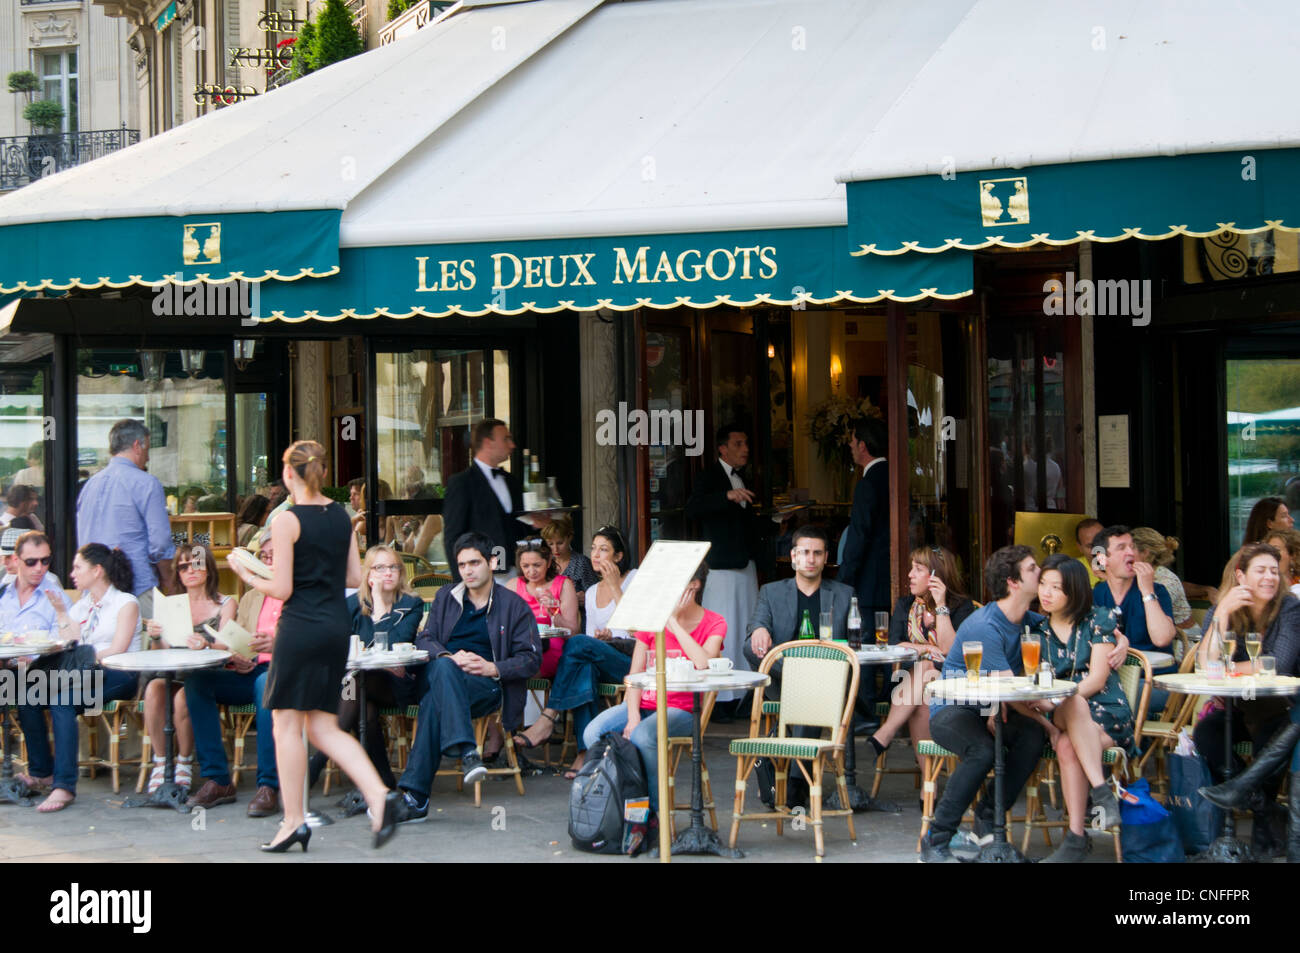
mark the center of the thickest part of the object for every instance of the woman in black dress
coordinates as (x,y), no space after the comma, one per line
(311,645)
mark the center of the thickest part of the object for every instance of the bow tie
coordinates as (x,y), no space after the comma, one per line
(498,472)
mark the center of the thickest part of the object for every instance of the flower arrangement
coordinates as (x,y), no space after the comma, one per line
(832,422)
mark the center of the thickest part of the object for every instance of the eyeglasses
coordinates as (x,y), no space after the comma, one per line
(43,560)
(391,568)
(266,555)
(187,567)
(529,544)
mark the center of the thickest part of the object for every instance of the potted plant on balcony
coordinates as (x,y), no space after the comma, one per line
(44,115)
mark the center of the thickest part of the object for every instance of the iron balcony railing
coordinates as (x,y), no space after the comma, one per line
(23,159)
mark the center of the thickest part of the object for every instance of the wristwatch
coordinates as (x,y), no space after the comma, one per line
(941,610)
(1149,597)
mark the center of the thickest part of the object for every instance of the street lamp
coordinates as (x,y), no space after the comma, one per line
(151,365)
(245,350)
(192,361)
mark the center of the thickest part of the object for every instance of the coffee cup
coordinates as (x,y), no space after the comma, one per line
(720,666)
(404,648)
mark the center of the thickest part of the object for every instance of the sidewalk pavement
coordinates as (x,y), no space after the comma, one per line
(507,827)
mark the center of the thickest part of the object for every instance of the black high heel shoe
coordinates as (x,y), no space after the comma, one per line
(301,836)
(388,822)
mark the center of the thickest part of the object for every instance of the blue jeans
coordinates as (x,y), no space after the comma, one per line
(586,662)
(445,724)
(63,764)
(644,736)
(1295,752)
(204,691)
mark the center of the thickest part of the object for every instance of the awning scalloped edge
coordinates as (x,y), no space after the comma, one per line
(50,284)
(1044,238)
(532,308)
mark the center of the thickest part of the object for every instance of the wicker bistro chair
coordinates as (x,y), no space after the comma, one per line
(1162,733)
(819,684)
(1135,679)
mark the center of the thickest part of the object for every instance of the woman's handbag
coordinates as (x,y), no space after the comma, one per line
(1198,821)
(1147,832)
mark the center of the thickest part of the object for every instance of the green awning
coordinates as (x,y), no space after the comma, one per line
(151,250)
(790,267)
(1104,201)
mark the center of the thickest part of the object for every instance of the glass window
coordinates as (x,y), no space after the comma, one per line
(1263,402)
(667,387)
(252,424)
(59,83)
(23,431)
(183,402)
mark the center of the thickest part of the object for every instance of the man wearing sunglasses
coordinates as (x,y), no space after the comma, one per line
(25,605)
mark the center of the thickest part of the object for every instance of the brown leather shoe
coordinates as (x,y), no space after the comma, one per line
(212,794)
(265,803)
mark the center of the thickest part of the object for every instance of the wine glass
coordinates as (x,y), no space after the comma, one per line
(551,605)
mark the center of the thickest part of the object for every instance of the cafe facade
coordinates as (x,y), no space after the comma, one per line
(757,219)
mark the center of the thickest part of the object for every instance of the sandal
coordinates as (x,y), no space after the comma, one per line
(34,785)
(156,776)
(184,770)
(522,742)
(50,805)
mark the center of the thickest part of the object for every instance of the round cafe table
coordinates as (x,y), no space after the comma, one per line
(1228,849)
(1158,660)
(990,691)
(698,838)
(373,661)
(11,789)
(858,798)
(172,665)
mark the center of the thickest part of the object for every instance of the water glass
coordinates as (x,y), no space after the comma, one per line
(1266,666)
(826,627)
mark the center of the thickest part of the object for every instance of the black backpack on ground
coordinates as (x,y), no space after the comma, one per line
(609,802)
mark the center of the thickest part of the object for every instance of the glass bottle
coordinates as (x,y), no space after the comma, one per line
(806,626)
(855,625)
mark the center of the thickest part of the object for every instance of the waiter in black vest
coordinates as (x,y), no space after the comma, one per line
(724,508)
(486,499)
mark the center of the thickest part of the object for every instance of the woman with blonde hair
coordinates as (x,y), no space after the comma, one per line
(384,611)
(1158,550)
(558,534)
(315,560)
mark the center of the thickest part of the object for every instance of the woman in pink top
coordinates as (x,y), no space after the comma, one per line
(698,634)
(538,585)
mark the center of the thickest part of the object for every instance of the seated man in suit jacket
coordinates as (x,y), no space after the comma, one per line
(724,508)
(485,498)
(483,647)
(781,604)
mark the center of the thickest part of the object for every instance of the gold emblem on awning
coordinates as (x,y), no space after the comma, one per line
(207,253)
(1004,201)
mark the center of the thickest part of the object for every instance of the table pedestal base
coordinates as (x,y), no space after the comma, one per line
(702,840)
(315,819)
(1000,852)
(15,792)
(1228,850)
(170,795)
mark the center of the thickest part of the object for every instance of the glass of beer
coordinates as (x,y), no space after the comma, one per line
(882,629)
(973,653)
(1030,651)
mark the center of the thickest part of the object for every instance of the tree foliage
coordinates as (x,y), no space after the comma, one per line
(336,36)
(43,114)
